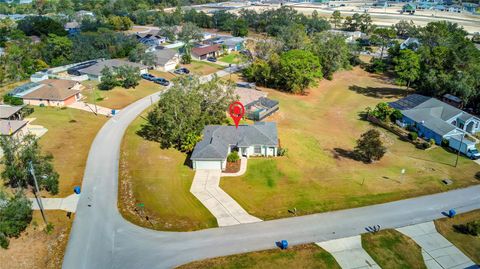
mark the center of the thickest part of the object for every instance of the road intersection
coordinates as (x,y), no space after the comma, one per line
(101,238)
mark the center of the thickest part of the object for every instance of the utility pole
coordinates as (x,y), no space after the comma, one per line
(95,101)
(459,148)
(37,193)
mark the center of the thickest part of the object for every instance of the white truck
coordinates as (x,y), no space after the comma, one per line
(466,147)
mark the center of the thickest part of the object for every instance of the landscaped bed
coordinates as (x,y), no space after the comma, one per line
(155,185)
(302,256)
(317,175)
(391,249)
(468,244)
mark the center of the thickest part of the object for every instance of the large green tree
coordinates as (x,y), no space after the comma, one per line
(370,147)
(18,154)
(15,215)
(407,67)
(383,37)
(57,50)
(336,19)
(179,117)
(332,51)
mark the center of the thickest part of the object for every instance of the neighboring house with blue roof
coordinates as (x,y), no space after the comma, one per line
(434,119)
(260,139)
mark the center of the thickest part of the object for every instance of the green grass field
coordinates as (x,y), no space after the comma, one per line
(468,244)
(118,97)
(232,58)
(70,134)
(202,68)
(303,256)
(155,182)
(393,250)
(319,130)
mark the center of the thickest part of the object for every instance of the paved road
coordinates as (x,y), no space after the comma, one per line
(101,238)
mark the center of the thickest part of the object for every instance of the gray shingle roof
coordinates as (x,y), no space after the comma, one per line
(8,127)
(97,68)
(218,138)
(427,116)
(7,111)
(163,56)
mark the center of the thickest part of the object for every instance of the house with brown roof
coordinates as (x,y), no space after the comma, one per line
(13,127)
(202,53)
(52,92)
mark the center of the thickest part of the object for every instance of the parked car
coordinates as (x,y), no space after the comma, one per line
(148,77)
(212,59)
(162,81)
(181,71)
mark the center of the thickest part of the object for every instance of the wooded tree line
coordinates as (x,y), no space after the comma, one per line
(445,61)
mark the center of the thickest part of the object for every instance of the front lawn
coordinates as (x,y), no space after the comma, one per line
(302,256)
(391,249)
(203,68)
(468,244)
(155,184)
(319,130)
(70,134)
(232,58)
(118,97)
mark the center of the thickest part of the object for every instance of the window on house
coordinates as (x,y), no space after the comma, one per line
(257,150)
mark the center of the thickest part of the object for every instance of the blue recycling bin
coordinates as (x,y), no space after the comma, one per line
(114,112)
(284,244)
(452,213)
(76,189)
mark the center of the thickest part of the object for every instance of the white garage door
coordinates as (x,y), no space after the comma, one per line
(170,66)
(208,165)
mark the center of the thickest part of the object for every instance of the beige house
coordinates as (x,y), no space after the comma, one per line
(54,92)
(165,59)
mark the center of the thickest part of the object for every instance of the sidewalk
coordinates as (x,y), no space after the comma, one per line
(91,108)
(437,251)
(68,203)
(205,187)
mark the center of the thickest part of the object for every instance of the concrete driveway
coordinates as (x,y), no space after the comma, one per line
(437,251)
(205,187)
(349,253)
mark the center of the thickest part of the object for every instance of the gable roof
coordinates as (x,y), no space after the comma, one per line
(234,41)
(205,50)
(54,90)
(218,138)
(97,68)
(162,56)
(8,111)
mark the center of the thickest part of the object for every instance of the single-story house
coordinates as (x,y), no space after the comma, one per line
(49,92)
(10,112)
(151,38)
(13,127)
(260,139)
(410,43)
(409,8)
(234,44)
(72,27)
(471,7)
(165,59)
(202,53)
(350,36)
(94,72)
(434,119)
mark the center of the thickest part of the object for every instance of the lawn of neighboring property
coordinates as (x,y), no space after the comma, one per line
(118,97)
(232,58)
(70,134)
(37,249)
(302,256)
(155,183)
(202,68)
(391,249)
(468,244)
(319,130)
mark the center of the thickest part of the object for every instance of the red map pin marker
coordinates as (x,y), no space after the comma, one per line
(236,111)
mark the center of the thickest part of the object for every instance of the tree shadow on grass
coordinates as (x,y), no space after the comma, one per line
(379,92)
(348,154)
(188,161)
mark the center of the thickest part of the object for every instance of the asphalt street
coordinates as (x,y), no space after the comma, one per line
(101,238)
